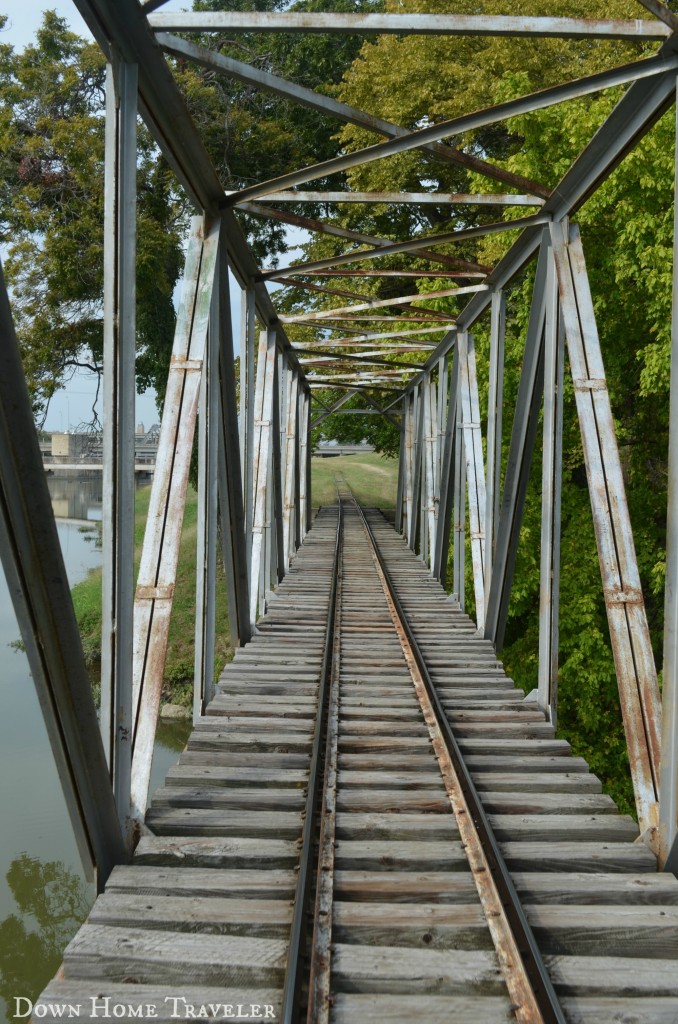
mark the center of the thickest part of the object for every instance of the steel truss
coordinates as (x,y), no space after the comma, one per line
(254,452)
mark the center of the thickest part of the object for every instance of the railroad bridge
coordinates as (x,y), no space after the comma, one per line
(370,822)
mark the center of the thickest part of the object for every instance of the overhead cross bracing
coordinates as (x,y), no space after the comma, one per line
(350,335)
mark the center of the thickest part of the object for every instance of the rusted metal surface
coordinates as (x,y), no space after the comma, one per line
(629,631)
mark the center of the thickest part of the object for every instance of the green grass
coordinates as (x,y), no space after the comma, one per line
(180,651)
(372,478)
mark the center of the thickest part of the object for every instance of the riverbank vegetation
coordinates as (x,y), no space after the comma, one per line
(179,665)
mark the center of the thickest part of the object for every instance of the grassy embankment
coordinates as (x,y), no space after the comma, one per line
(371,477)
(373,481)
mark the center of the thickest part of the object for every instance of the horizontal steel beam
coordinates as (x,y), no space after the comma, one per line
(406,24)
(390,273)
(319,358)
(466,123)
(380,335)
(420,198)
(329,314)
(342,111)
(413,245)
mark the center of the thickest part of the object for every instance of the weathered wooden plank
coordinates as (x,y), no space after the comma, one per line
(395,855)
(578,887)
(564,827)
(349,1008)
(549,782)
(396,826)
(266,798)
(624,977)
(602,1010)
(189,881)
(269,918)
(219,852)
(595,930)
(155,957)
(392,970)
(592,856)
(531,803)
(197,821)
(412,886)
(215,775)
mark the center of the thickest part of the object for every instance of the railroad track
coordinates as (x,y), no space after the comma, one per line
(319,851)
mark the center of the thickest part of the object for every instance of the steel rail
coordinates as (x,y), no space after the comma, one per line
(532,963)
(294,976)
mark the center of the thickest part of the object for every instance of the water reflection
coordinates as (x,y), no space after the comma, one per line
(76,496)
(51,901)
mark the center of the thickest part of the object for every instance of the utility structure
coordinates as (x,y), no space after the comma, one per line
(455,483)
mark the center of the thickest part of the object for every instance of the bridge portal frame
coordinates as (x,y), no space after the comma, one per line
(256,479)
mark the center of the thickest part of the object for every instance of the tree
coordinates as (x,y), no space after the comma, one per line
(51,214)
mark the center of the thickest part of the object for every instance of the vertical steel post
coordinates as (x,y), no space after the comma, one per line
(447,480)
(408,484)
(418,423)
(441,403)
(208,494)
(475,471)
(160,553)
(494,428)
(429,502)
(289,497)
(402,455)
(304,445)
(668,782)
(117,628)
(278,553)
(518,464)
(248,326)
(626,616)
(459,565)
(552,458)
(38,585)
(263,411)
(231,498)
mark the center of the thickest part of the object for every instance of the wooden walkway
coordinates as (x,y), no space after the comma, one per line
(202,916)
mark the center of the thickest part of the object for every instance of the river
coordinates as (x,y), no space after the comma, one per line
(43,892)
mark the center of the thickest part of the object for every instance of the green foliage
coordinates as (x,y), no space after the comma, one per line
(180,652)
(51,214)
(372,478)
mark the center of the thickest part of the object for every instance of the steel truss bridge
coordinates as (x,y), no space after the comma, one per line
(369,822)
